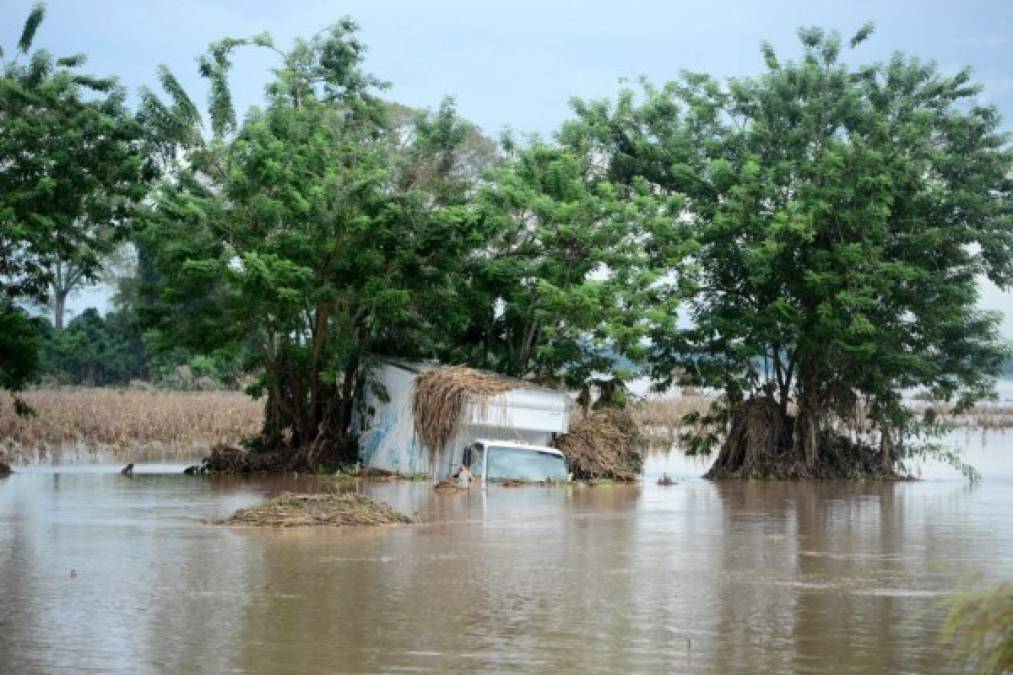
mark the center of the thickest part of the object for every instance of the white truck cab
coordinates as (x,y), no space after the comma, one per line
(492,461)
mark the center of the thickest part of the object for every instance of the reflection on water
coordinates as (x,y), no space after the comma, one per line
(697,577)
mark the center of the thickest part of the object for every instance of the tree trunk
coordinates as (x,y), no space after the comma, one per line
(59,307)
(810,415)
(348,394)
(530,340)
(886,459)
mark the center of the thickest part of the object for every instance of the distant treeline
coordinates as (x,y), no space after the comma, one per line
(93,350)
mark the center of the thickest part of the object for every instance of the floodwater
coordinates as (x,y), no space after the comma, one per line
(105,573)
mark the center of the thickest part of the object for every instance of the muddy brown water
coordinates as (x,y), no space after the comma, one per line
(105,573)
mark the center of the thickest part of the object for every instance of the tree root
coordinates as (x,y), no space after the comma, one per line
(229,460)
(759,445)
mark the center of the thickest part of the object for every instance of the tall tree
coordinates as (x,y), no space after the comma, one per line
(97,259)
(297,232)
(843,217)
(440,153)
(69,155)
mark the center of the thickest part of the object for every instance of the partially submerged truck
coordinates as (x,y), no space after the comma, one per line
(507,435)
(492,461)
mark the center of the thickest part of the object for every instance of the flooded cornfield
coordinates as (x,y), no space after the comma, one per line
(101,572)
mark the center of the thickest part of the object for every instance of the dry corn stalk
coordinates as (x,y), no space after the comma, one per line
(441,394)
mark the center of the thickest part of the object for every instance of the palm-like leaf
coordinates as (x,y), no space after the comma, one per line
(31,25)
(179,97)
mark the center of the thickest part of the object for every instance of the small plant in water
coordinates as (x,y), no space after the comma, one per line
(980,624)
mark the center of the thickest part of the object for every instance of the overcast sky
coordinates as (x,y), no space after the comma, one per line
(516,64)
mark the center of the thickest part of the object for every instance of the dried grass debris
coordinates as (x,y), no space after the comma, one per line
(347,509)
(441,394)
(605,444)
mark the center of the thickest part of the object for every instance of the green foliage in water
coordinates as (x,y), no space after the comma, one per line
(575,279)
(301,232)
(980,624)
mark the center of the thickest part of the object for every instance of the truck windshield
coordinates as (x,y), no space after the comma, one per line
(522,464)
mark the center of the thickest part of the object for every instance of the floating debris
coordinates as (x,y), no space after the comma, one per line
(441,394)
(450,485)
(348,509)
(605,444)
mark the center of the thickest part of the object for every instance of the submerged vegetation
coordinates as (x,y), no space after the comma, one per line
(806,242)
(346,509)
(980,625)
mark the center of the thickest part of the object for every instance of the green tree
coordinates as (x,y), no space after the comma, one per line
(296,232)
(97,259)
(439,152)
(842,217)
(94,350)
(20,342)
(569,289)
(69,155)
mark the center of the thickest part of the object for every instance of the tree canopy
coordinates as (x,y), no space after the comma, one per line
(69,156)
(572,281)
(309,231)
(842,218)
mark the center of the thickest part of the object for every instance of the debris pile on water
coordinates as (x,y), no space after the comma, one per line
(440,395)
(605,444)
(450,484)
(347,509)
